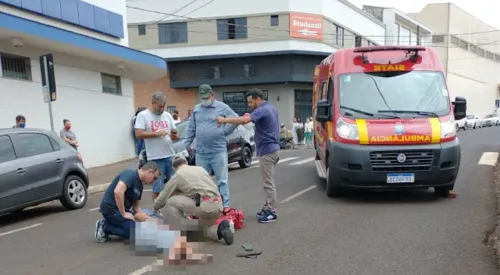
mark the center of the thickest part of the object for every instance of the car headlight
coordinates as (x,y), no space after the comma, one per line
(448,128)
(347,130)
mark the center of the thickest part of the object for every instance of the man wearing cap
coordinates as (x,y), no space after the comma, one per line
(211,143)
(192,192)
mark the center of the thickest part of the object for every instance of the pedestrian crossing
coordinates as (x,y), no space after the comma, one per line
(290,161)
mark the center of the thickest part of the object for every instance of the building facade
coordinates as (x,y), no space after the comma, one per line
(237,45)
(400,29)
(470,52)
(94,71)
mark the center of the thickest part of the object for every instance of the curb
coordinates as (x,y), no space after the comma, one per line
(492,238)
(98,188)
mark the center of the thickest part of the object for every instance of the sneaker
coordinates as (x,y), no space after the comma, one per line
(224,232)
(100,235)
(268,216)
(261,213)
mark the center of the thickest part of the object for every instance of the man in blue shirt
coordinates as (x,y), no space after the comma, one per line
(267,137)
(211,143)
(120,205)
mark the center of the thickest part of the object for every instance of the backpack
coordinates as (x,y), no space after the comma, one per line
(236,216)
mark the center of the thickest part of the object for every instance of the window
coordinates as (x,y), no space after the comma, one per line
(238,101)
(6,149)
(454,40)
(490,55)
(463,44)
(357,41)
(423,92)
(142,29)
(234,28)
(473,49)
(275,20)
(480,52)
(339,39)
(330,90)
(55,144)
(438,39)
(111,84)
(169,33)
(33,145)
(17,67)
(324,90)
(171,109)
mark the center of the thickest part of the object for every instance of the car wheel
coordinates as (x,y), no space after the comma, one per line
(457,128)
(246,157)
(74,193)
(442,191)
(332,190)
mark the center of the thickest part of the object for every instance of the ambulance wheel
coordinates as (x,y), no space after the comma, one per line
(442,191)
(332,190)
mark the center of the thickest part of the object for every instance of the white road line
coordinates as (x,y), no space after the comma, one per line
(302,161)
(488,158)
(93,209)
(287,159)
(20,229)
(255,162)
(298,194)
(148,268)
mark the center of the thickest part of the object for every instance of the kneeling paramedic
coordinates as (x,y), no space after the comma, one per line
(192,192)
(120,206)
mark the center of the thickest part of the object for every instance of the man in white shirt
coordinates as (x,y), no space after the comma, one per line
(157,128)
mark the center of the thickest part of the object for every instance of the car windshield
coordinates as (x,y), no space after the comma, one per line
(470,116)
(182,129)
(397,94)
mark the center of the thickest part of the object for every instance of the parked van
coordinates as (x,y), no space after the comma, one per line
(384,120)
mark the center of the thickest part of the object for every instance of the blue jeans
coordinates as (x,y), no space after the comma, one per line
(217,163)
(165,169)
(115,224)
(139,145)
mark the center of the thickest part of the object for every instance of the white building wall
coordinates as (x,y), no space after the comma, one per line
(339,11)
(117,6)
(100,121)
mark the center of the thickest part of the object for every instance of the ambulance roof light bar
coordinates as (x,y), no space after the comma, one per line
(413,50)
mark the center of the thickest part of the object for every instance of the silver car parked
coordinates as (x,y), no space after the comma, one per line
(37,166)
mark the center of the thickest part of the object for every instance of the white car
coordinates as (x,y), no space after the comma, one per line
(473,121)
(461,124)
(491,120)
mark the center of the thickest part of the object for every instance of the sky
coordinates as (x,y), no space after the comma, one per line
(481,9)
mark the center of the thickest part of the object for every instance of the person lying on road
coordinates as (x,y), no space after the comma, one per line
(192,192)
(120,206)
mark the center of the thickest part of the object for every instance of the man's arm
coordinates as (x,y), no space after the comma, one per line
(191,131)
(137,206)
(229,113)
(119,191)
(140,127)
(234,120)
(167,192)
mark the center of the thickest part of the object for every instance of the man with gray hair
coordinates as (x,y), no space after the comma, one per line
(157,128)
(192,192)
(211,143)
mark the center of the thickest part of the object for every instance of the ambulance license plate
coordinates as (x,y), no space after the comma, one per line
(401,178)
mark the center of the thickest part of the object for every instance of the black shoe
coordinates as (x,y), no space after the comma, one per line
(224,232)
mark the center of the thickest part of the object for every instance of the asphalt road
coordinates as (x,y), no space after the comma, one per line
(366,233)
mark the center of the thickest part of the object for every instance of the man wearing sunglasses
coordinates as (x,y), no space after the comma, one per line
(120,206)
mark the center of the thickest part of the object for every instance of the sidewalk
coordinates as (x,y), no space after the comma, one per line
(101,176)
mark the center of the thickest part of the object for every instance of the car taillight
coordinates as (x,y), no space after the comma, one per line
(234,146)
(79,157)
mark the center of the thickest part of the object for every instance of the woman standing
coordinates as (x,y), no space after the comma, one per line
(308,127)
(294,132)
(67,135)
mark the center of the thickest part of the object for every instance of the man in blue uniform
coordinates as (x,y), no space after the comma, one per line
(120,206)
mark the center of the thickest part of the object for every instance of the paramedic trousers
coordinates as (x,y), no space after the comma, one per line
(267,164)
(207,213)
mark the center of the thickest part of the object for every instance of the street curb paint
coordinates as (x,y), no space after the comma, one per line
(98,188)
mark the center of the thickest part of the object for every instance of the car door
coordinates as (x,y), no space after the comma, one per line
(234,140)
(9,183)
(42,165)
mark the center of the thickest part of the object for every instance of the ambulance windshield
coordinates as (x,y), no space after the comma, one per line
(407,94)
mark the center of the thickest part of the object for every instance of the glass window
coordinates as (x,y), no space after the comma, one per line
(16,67)
(55,144)
(275,20)
(111,84)
(169,33)
(471,116)
(142,29)
(238,101)
(233,28)
(396,91)
(6,149)
(33,144)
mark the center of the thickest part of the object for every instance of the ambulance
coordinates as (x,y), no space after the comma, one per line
(383,119)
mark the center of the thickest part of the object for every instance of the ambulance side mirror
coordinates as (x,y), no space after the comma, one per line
(323,111)
(459,108)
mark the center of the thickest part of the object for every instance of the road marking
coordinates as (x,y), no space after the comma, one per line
(148,268)
(93,209)
(255,162)
(298,194)
(20,229)
(488,158)
(287,159)
(302,161)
